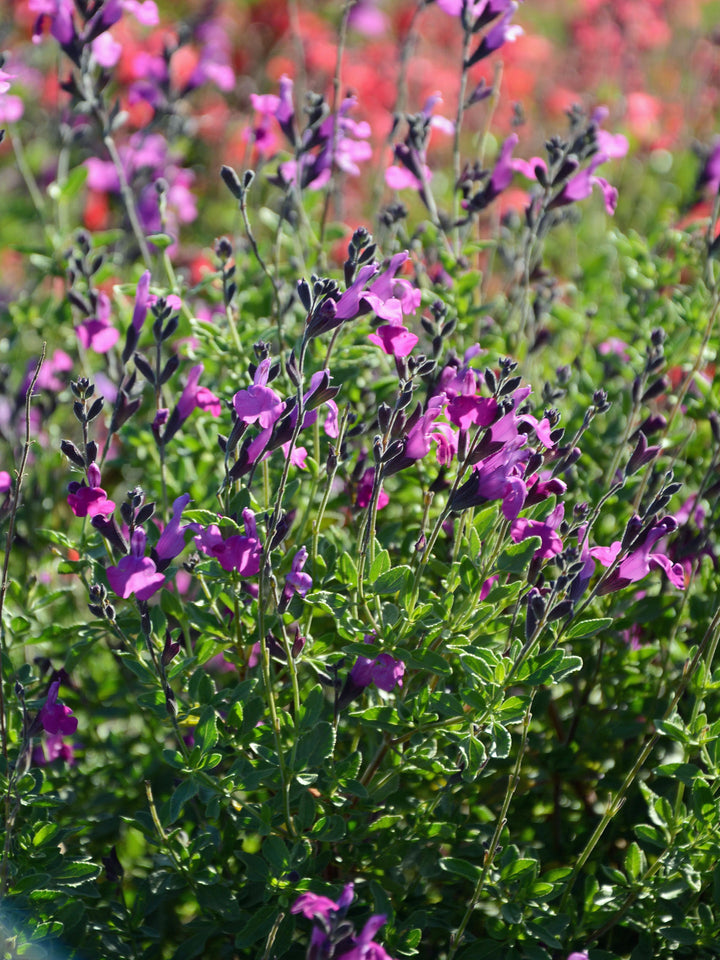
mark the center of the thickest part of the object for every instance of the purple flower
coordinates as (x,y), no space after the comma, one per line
(259,403)
(315,906)
(141,301)
(503,32)
(5,481)
(89,500)
(135,574)
(551,544)
(350,147)
(350,303)
(237,552)
(580,187)
(709,178)
(97,333)
(464,411)
(328,934)
(498,477)
(172,540)
(60,13)
(54,748)
(641,560)
(56,718)
(296,581)
(364,947)
(413,170)
(384,671)
(364,491)
(196,396)
(420,434)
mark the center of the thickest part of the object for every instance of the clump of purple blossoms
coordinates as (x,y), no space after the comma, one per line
(334,936)
(383,670)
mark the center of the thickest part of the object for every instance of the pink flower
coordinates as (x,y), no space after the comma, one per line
(135,574)
(144,11)
(394,339)
(5,481)
(106,50)
(11,107)
(615,346)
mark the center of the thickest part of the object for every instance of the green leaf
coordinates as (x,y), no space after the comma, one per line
(258,926)
(461,868)
(381,564)
(704,802)
(141,670)
(673,729)
(185,792)
(312,708)
(276,854)
(586,628)
(686,773)
(392,580)
(424,660)
(651,835)
(484,521)
(635,863)
(502,741)
(206,732)
(348,569)
(314,746)
(161,240)
(74,182)
(542,667)
(681,935)
(523,867)
(329,829)
(72,874)
(570,664)
(46,832)
(516,557)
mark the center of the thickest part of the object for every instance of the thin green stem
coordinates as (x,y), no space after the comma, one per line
(126,193)
(14,505)
(460,113)
(501,822)
(332,185)
(615,802)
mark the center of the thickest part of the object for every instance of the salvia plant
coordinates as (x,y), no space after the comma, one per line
(359,487)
